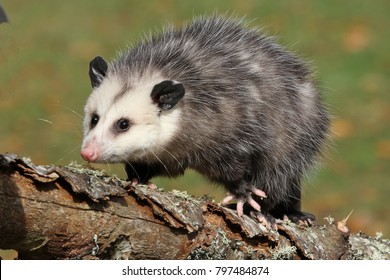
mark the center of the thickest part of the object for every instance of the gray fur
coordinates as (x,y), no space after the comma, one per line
(252,115)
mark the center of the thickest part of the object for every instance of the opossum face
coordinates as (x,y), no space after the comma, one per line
(126,122)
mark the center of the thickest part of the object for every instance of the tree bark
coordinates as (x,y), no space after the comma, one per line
(51,212)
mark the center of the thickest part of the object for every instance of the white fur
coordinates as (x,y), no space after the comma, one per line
(150,130)
(308,98)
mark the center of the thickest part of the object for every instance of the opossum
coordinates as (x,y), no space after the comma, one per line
(218,97)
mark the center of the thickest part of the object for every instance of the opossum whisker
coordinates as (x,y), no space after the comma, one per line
(132,167)
(45,120)
(73,111)
(165,167)
(169,153)
(67,154)
(107,163)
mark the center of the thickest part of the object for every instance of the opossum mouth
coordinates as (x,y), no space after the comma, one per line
(118,158)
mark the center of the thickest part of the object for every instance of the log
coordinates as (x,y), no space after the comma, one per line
(74,212)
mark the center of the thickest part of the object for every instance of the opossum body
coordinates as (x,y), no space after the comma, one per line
(217,97)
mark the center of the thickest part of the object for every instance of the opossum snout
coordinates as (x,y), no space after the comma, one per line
(89,153)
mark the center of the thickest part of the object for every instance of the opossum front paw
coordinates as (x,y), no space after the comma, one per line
(242,200)
(134,182)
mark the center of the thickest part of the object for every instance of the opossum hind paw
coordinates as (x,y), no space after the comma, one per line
(300,218)
(242,200)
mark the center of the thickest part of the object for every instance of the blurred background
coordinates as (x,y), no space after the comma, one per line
(46,48)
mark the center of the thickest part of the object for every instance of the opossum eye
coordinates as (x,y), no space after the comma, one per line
(94,120)
(122,125)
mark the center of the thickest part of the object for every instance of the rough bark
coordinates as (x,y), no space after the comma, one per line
(51,212)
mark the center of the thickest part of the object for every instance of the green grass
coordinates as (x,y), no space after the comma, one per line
(45,51)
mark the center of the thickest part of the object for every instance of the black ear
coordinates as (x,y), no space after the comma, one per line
(167,94)
(97,70)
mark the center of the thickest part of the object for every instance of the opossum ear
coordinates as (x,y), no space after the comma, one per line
(97,71)
(167,94)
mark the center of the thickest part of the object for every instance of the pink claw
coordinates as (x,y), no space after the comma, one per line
(241,201)
(258,192)
(229,197)
(254,204)
(151,186)
(134,182)
(240,207)
(265,222)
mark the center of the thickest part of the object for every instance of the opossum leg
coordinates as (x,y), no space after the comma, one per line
(140,173)
(291,210)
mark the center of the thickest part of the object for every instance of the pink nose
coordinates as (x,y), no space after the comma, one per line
(89,153)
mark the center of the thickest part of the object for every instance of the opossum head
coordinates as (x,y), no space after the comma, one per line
(129,118)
